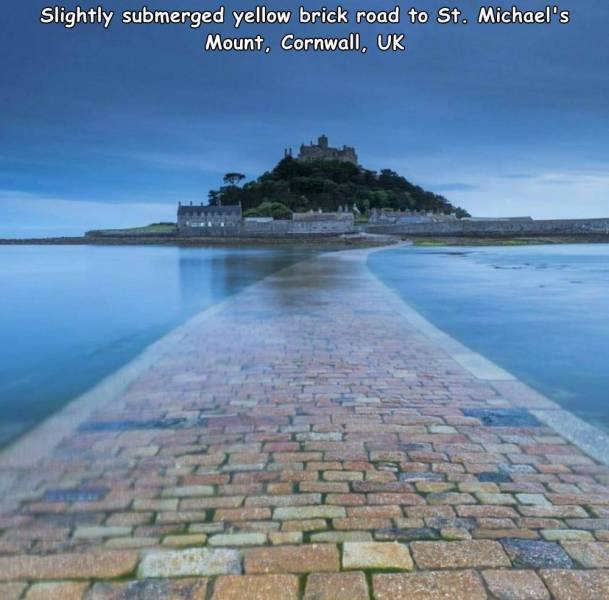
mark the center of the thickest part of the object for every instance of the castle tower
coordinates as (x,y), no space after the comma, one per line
(322,151)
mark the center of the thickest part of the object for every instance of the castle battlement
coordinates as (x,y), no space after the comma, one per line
(322,151)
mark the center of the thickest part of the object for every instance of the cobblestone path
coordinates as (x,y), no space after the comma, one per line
(307,440)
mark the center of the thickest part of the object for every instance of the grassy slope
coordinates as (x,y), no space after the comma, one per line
(154,228)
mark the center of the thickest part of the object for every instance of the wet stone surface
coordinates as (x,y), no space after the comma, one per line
(93,426)
(318,453)
(519,469)
(443,522)
(76,495)
(424,476)
(536,555)
(498,477)
(503,417)
(408,535)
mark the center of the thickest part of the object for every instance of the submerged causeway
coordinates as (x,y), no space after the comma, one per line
(306,438)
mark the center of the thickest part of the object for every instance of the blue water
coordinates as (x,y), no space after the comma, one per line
(541,312)
(70,315)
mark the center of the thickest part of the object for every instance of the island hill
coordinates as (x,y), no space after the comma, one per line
(322,178)
(323,192)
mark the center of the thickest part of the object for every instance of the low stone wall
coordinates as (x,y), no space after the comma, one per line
(277,228)
(297,228)
(464,228)
(125,233)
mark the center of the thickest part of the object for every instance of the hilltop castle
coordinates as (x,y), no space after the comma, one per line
(321,151)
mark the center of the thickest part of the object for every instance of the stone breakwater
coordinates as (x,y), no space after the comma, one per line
(307,438)
(499,228)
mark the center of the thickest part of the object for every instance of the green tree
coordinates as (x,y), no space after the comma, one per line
(327,185)
(233,178)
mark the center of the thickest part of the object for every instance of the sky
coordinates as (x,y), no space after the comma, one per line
(103,128)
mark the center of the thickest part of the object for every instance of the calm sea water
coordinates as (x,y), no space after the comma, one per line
(70,315)
(541,312)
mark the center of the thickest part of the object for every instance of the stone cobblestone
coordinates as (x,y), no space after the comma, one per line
(516,585)
(150,589)
(442,555)
(256,587)
(305,438)
(190,562)
(459,585)
(64,590)
(376,555)
(12,591)
(293,559)
(577,585)
(336,586)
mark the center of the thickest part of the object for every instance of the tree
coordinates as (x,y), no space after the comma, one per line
(328,185)
(276,210)
(233,178)
(213,196)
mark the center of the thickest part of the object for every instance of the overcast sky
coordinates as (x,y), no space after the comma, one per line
(101,128)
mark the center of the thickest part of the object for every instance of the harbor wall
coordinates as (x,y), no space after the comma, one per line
(499,228)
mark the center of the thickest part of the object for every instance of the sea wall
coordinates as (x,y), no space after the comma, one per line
(499,228)
(279,228)
(297,227)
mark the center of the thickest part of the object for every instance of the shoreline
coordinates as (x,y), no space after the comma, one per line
(589,438)
(326,242)
(28,449)
(340,242)
(431,241)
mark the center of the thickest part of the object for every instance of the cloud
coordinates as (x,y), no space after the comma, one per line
(23,213)
(575,178)
(216,163)
(453,187)
(518,176)
(557,195)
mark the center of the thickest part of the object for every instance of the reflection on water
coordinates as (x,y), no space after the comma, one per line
(70,315)
(541,312)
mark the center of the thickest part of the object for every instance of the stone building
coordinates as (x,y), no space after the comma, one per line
(209,220)
(387,217)
(217,221)
(322,151)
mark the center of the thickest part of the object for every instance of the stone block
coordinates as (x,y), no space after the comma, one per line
(591,555)
(336,586)
(256,587)
(516,585)
(238,539)
(460,555)
(376,555)
(103,564)
(536,554)
(434,585)
(292,559)
(577,585)
(61,590)
(190,563)
(150,589)
(309,512)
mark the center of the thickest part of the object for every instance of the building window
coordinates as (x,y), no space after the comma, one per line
(209,223)
(222,224)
